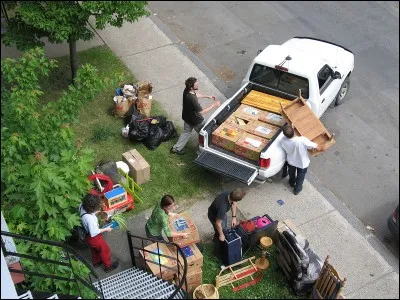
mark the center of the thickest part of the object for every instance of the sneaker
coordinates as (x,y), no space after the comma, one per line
(180,152)
(97,265)
(113,266)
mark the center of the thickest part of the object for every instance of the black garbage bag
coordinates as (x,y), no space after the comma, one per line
(169,131)
(159,120)
(139,129)
(154,137)
(132,115)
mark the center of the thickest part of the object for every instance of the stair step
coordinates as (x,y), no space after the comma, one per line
(136,284)
(136,290)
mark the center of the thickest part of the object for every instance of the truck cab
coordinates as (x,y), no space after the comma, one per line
(319,69)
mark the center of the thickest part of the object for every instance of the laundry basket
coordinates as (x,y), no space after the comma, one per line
(206,291)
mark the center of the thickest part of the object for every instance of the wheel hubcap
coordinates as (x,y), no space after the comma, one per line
(343,91)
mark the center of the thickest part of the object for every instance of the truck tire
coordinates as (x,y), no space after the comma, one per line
(344,89)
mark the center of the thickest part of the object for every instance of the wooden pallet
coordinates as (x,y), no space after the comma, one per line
(238,274)
(265,101)
(307,124)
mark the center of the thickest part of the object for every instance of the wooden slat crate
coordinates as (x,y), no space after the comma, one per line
(265,101)
(307,124)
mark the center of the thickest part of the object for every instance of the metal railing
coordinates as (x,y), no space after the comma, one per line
(68,252)
(179,271)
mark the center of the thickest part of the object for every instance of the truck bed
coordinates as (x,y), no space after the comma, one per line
(230,109)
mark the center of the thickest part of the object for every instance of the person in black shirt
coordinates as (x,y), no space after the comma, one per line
(217,212)
(192,113)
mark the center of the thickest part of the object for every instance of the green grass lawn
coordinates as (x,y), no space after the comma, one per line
(101,131)
(273,284)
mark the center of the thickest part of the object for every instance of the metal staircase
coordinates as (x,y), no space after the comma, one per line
(142,285)
(137,283)
(132,283)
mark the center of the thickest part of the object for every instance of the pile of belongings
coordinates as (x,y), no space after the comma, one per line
(298,261)
(152,131)
(138,95)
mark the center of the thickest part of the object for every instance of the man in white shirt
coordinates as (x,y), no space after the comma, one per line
(297,156)
(100,250)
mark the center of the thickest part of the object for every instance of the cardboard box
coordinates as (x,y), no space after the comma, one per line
(183,223)
(193,275)
(238,121)
(272,118)
(194,258)
(139,169)
(262,129)
(192,286)
(250,146)
(248,112)
(153,263)
(225,136)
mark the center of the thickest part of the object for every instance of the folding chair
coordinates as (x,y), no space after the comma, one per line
(328,285)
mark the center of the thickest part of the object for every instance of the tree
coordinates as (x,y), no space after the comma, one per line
(65,21)
(43,168)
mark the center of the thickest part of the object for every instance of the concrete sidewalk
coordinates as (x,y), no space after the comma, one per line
(152,53)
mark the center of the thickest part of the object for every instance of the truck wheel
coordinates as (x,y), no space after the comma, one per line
(344,89)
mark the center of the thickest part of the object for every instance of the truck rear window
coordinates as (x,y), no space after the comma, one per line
(279,80)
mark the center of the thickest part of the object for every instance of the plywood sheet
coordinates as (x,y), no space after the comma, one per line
(265,101)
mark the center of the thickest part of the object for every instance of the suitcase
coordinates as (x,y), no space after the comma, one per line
(232,248)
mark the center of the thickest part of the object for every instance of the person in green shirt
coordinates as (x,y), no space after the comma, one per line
(158,220)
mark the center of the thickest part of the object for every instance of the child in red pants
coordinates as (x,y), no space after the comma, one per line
(99,247)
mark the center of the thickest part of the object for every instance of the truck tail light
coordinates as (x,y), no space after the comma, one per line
(264,162)
(201,140)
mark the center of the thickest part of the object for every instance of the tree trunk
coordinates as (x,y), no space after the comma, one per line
(73,57)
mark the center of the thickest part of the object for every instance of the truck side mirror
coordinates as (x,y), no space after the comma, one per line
(259,51)
(337,75)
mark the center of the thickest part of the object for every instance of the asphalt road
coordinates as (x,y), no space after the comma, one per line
(362,169)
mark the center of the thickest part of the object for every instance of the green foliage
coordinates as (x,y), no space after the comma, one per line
(120,219)
(61,21)
(43,169)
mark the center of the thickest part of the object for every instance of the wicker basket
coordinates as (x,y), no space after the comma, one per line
(206,291)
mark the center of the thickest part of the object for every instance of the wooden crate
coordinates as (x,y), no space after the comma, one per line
(307,124)
(265,101)
(193,237)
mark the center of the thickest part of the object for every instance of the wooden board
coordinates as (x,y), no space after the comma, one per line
(307,124)
(265,101)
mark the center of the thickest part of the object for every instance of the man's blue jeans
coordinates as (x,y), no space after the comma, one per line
(296,181)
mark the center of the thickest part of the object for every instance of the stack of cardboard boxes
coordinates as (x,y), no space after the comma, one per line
(169,267)
(194,258)
(247,131)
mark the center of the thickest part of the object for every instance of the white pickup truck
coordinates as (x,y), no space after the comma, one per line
(319,68)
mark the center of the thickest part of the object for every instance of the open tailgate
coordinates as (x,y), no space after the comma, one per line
(227,167)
